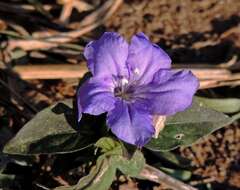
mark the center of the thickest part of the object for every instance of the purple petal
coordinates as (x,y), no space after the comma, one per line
(96,96)
(107,56)
(130,125)
(145,58)
(168,93)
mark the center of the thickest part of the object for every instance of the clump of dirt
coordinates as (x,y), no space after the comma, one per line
(191,31)
(171,18)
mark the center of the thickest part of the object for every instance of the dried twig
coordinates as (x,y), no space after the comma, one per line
(99,13)
(50,71)
(65,37)
(152,174)
(29,44)
(66,11)
(209,78)
(61,181)
(82,5)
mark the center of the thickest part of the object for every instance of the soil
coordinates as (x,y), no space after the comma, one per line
(191,31)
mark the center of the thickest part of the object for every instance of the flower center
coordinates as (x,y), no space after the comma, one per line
(123,90)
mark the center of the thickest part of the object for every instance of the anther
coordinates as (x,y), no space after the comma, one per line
(124,81)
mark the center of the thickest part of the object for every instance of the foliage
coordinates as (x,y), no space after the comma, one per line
(185,128)
(55,130)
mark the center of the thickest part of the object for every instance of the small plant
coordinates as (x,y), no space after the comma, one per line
(133,104)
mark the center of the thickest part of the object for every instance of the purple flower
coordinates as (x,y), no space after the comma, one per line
(133,82)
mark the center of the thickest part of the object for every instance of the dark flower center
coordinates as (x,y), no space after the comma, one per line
(124,90)
(118,92)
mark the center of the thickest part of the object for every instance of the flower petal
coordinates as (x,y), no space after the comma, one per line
(168,93)
(130,125)
(96,96)
(107,56)
(145,58)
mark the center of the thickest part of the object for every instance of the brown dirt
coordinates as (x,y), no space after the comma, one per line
(191,30)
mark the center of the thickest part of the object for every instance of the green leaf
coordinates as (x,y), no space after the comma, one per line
(131,167)
(107,144)
(183,175)
(185,128)
(225,105)
(102,175)
(51,131)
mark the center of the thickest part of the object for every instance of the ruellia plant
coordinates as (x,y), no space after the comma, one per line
(129,107)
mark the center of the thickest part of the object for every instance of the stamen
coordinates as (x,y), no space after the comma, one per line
(136,71)
(124,81)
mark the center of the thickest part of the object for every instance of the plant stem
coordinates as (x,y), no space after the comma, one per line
(155,175)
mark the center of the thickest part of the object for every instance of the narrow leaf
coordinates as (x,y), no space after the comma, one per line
(225,105)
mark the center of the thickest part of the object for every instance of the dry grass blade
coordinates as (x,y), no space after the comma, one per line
(66,11)
(28,45)
(64,37)
(209,78)
(99,13)
(50,71)
(219,83)
(158,176)
(82,6)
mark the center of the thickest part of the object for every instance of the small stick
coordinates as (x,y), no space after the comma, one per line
(94,16)
(209,78)
(82,5)
(66,11)
(61,181)
(50,71)
(56,71)
(152,174)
